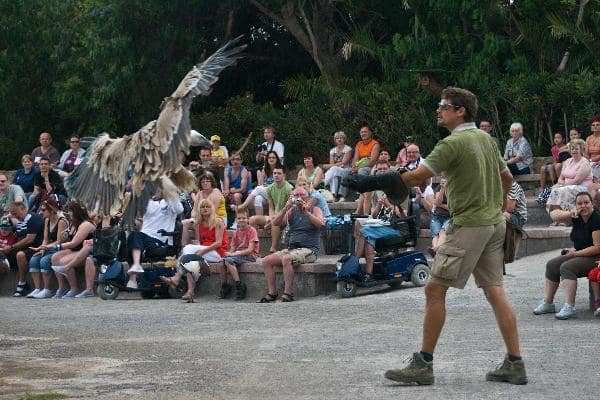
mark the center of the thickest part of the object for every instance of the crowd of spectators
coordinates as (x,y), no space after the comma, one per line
(44,233)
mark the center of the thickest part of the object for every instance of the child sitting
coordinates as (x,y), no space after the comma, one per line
(7,239)
(594,277)
(243,249)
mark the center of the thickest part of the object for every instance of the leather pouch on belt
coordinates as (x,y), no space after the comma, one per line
(448,261)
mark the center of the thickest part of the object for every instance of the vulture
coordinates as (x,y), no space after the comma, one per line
(149,157)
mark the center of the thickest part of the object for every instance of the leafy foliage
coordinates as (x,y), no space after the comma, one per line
(87,66)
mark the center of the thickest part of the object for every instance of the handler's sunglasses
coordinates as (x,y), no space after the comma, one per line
(446,106)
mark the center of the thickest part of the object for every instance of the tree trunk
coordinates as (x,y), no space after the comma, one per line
(317,35)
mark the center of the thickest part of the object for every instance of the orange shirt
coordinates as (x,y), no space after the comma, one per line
(364,150)
(592,143)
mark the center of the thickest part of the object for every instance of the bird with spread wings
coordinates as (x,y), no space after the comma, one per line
(150,155)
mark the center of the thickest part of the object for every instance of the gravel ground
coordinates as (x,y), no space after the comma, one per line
(314,348)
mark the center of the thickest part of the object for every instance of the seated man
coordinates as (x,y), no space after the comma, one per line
(9,194)
(45,150)
(237,182)
(305,223)
(278,194)
(30,233)
(204,164)
(47,182)
(159,215)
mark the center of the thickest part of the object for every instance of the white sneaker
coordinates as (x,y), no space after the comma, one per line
(132,284)
(44,294)
(341,199)
(567,311)
(135,268)
(597,312)
(84,294)
(59,293)
(545,308)
(60,269)
(33,294)
(70,293)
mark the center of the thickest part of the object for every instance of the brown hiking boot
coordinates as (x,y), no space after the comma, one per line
(418,372)
(510,371)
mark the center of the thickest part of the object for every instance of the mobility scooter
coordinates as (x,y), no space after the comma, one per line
(113,278)
(394,263)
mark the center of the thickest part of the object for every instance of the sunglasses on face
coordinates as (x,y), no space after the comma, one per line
(447,106)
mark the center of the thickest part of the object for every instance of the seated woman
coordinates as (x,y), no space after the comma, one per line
(518,156)
(265,178)
(367,235)
(24,176)
(72,254)
(575,177)
(440,218)
(208,190)
(55,226)
(574,263)
(311,171)
(212,239)
(560,152)
(339,164)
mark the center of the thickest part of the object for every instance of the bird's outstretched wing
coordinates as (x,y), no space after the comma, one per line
(150,155)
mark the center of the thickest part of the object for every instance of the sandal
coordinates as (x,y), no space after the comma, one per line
(168,281)
(189,297)
(269,298)
(286,298)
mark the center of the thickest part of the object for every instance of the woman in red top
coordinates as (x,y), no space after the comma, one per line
(209,248)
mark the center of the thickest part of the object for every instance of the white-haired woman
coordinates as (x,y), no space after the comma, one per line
(339,163)
(518,154)
(575,177)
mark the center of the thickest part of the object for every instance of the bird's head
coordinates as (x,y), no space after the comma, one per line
(198,140)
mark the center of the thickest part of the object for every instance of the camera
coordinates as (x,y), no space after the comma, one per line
(297,200)
(261,147)
(564,252)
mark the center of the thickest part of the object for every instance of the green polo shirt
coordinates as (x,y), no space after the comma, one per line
(471,163)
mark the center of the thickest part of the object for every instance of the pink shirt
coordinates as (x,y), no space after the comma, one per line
(570,169)
(243,237)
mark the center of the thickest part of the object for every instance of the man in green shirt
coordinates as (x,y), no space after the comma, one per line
(278,194)
(477,184)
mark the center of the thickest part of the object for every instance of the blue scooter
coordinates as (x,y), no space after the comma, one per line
(393,268)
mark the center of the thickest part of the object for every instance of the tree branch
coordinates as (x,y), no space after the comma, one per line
(565,59)
(311,37)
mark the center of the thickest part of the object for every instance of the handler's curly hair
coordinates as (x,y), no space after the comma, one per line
(463,98)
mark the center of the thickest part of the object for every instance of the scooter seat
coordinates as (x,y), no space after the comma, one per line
(159,253)
(390,243)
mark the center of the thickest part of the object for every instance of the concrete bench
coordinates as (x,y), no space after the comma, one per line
(311,279)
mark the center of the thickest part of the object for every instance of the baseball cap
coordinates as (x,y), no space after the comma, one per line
(5,223)
(215,138)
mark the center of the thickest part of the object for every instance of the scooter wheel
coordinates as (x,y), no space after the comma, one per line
(420,275)
(346,289)
(106,291)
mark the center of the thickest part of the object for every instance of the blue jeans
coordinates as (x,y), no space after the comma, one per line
(516,171)
(41,263)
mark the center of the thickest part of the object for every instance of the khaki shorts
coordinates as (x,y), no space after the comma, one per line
(476,250)
(300,255)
